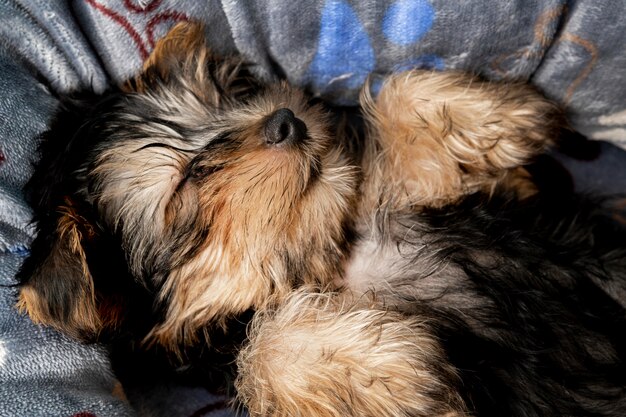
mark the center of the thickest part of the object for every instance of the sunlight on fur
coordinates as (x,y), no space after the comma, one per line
(439,136)
(331,355)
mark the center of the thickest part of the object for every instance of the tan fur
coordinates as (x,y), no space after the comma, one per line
(184,42)
(328,355)
(264,204)
(257,211)
(438,136)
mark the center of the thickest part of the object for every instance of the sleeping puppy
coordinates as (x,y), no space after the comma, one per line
(415,273)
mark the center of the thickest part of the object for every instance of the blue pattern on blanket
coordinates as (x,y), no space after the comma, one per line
(345,56)
(427,61)
(407,21)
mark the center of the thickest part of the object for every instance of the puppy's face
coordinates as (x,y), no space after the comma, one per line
(223,193)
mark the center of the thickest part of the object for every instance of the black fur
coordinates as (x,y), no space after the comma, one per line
(544,333)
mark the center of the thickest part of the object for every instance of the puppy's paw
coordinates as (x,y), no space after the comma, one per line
(326,355)
(439,136)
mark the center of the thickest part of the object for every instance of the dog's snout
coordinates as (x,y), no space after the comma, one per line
(283,126)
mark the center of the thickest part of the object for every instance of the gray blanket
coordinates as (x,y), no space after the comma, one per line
(572,50)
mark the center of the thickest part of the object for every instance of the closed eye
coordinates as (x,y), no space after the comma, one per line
(163,145)
(220,140)
(196,170)
(200,165)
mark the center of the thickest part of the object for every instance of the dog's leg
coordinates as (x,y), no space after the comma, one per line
(330,355)
(438,136)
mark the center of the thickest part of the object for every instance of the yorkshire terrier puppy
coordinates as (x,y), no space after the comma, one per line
(415,273)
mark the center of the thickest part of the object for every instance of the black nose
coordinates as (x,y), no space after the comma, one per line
(284,126)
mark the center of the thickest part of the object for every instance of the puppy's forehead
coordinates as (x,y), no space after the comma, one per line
(171,108)
(183,120)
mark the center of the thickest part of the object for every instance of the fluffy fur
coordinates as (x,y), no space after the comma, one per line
(176,168)
(521,307)
(323,355)
(439,136)
(435,282)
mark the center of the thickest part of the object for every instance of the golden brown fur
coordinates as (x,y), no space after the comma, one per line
(336,356)
(439,136)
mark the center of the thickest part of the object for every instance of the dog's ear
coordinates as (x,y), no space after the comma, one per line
(180,54)
(57,286)
(76,277)
(182,48)
(182,58)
